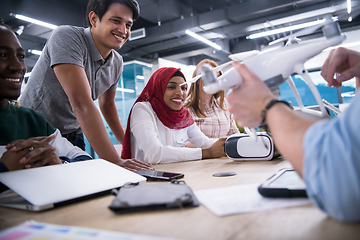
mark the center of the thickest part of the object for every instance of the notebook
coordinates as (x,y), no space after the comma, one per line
(46,187)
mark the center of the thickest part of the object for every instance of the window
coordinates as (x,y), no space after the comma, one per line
(331,95)
(132,82)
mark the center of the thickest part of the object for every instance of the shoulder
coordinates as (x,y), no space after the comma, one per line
(142,106)
(28,111)
(117,62)
(116,56)
(66,33)
(193,127)
(142,112)
(67,29)
(28,114)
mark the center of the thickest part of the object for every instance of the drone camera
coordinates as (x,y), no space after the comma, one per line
(208,75)
(331,29)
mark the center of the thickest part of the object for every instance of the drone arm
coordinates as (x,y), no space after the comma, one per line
(230,79)
(295,91)
(218,68)
(300,69)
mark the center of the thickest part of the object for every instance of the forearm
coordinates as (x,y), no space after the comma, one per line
(205,153)
(95,132)
(154,151)
(110,114)
(153,145)
(168,154)
(198,138)
(288,130)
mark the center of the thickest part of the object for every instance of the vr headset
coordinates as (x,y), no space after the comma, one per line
(242,146)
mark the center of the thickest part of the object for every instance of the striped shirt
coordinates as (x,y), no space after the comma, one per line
(218,123)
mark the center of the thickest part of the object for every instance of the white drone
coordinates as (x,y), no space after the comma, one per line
(276,65)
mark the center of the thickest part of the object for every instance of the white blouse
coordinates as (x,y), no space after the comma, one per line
(154,143)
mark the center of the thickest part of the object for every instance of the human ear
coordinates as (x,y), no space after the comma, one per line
(93,18)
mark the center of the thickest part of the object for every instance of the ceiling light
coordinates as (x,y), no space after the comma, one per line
(214,45)
(36,52)
(125,90)
(27,74)
(140,77)
(348,6)
(285,29)
(19,30)
(296,17)
(31,20)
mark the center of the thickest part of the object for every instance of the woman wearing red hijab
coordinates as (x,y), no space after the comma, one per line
(159,126)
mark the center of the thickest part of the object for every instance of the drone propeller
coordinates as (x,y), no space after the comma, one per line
(305,31)
(218,68)
(192,80)
(243,55)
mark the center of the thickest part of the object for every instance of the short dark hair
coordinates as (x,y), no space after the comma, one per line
(100,7)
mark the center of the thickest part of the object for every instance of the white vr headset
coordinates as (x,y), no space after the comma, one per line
(242,146)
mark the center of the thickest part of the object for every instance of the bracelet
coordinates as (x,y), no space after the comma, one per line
(64,161)
(267,107)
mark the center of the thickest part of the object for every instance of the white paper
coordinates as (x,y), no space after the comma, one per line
(241,199)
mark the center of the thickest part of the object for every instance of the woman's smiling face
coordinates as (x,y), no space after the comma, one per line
(175,94)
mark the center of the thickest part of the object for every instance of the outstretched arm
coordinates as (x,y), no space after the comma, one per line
(75,84)
(109,111)
(287,127)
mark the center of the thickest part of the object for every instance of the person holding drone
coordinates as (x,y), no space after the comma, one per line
(325,153)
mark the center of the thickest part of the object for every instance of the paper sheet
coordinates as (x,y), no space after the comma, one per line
(32,230)
(241,199)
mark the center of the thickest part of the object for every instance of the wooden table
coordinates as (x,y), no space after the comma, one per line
(304,222)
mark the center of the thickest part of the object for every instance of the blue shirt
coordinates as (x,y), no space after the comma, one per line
(332,164)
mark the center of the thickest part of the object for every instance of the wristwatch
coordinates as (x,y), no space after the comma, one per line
(64,161)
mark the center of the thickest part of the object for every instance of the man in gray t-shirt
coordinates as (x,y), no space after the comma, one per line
(78,66)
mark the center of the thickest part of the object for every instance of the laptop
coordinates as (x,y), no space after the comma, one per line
(46,187)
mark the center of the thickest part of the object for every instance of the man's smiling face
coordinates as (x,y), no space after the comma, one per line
(114,28)
(12,66)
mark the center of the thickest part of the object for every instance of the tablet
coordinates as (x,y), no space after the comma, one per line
(284,184)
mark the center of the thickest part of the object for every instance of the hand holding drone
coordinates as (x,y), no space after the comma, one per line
(275,66)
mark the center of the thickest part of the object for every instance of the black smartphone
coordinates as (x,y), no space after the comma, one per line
(155,175)
(286,183)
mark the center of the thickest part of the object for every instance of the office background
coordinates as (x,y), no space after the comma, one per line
(159,39)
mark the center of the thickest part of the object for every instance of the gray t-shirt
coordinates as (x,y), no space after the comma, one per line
(74,45)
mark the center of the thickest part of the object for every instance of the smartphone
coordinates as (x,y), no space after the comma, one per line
(284,184)
(159,175)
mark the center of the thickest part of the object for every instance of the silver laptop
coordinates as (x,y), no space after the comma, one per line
(43,188)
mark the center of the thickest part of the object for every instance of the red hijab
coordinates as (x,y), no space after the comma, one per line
(154,93)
